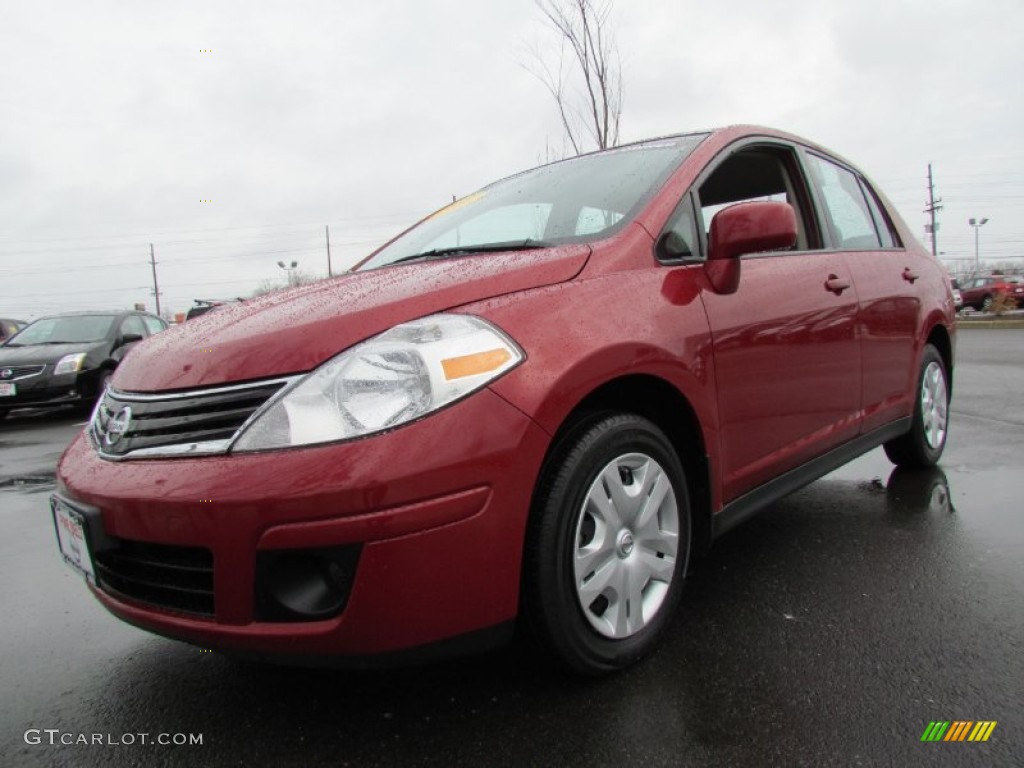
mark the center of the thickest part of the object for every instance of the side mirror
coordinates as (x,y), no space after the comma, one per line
(751,228)
(130,338)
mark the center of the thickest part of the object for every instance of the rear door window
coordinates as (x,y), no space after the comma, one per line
(846,210)
(133,324)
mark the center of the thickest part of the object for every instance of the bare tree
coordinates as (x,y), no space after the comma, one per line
(588,88)
(273,286)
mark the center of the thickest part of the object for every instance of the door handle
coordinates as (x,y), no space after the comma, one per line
(836,284)
(910,275)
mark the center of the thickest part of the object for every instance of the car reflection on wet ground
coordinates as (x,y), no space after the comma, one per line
(829,630)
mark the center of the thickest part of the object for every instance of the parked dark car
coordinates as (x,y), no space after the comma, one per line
(530,408)
(980,292)
(9,327)
(68,359)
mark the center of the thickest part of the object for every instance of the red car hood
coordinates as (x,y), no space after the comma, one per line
(294,331)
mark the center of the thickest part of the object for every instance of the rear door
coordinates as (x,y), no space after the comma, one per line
(787,360)
(887,277)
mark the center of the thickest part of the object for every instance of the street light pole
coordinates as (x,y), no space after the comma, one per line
(289,268)
(977,225)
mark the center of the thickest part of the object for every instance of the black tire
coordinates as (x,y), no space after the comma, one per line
(88,404)
(3,413)
(101,386)
(582,637)
(923,444)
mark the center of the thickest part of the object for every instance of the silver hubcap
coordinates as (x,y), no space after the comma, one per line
(933,405)
(627,538)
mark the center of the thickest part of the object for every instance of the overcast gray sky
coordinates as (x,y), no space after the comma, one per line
(119,119)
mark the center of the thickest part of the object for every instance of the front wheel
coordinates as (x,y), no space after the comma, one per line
(923,444)
(607,545)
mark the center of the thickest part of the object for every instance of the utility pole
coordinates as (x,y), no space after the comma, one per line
(933,206)
(156,288)
(327,234)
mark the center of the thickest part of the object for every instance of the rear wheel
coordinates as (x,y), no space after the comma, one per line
(923,444)
(608,544)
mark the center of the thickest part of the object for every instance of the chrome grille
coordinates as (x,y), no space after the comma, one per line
(20,371)
(139,425)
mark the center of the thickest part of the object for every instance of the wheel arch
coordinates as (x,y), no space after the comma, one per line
(940,338)
(663,404)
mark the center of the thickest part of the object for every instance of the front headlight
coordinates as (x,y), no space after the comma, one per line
(70,364)
(384,382)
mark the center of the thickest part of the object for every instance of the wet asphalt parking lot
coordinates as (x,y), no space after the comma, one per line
(829,630)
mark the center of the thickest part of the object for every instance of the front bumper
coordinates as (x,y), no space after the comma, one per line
(46,390)
(438,509)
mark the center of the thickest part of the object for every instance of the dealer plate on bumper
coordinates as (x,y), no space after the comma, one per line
(8,389)
(72,539)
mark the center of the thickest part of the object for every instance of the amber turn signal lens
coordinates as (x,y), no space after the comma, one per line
(477,363)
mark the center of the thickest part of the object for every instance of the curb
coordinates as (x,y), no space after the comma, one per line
(1014,323)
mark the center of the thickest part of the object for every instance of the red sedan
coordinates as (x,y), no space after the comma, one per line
(532,406)
(980,292)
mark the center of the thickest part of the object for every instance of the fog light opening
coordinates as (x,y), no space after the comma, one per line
(304,585)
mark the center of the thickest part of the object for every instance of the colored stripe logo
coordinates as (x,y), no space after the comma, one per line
(958,730)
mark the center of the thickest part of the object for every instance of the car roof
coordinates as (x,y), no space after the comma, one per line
(729,133)
(93,312)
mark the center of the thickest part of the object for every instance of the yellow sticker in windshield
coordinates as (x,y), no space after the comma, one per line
(460,203)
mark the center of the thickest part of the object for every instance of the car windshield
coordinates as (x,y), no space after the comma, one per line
(575,200)
(61,330)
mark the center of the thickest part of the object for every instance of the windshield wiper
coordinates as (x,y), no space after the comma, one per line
(441,253)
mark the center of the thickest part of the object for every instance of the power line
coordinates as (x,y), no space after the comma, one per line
(207,243)
(155,235)
(188,260)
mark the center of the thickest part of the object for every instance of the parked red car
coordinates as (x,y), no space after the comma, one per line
(532,406)
(1016,289)
(980,292)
